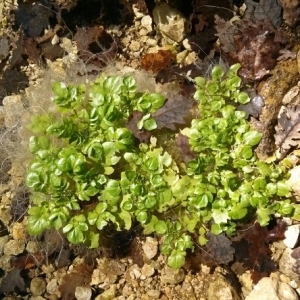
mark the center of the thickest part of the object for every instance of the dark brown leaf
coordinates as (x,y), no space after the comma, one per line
(220,249)
(253,251)
(32,49)
(174,112)
(29,261)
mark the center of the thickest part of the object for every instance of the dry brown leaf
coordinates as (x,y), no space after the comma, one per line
(288,128)
(174,112)
(160,60)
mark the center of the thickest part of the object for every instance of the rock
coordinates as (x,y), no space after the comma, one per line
(18,231)
(14,247)
(14,108)
(150,247)
(32,247)
(272,289)
(37,286)
(3,242)
(146,23)
(187,291)
(147,271)
(293,181)
(108,294)
(172,276)
(220,288)
(286,264)
(153,294)
(52,286)
(83,293)
(291,235)
(170,22)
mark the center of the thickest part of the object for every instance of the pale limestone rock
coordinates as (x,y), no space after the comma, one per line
(172,276)
(291,235)
(3,242)
(83,293)
(286,264)
(14,247)
(170,22)
(272,289)
(37,286)
(150,247)
(220,288)
(146,23)
(18,231)
(108,294)
(147,271)
(154,294)
(293,181)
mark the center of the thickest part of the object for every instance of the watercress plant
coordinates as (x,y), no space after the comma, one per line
(88,171)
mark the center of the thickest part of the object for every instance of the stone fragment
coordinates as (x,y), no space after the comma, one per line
(108,294)
(153,294)
(291,235)
(52,286)
(14,247)
(37,286)
(293,181)
(172,276)
(147,271)
(272,289)
(286,264)
(83,293)
(3,242)
(150,247)
(18,231)
(146,23)
(170,22)
(220,288)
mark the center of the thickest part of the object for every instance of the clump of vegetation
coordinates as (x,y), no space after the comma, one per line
(88,170)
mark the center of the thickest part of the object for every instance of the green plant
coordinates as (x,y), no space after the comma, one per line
(88,171)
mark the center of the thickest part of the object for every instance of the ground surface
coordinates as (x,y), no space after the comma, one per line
(74,40)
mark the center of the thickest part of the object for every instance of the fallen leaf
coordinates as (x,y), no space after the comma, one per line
(288,128)
(160,60)
(13,282)
(184,148)
(142,135)
(80,276)
(263,10)
(33,17)
(95,45)
(219,247)
(291,11)
(174,112)
(253,251)
(28,261)
(4,47)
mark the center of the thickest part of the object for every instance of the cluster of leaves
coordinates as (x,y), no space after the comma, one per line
(88,170)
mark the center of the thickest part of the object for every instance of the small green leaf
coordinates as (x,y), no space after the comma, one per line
(160,227)
(252,137)
(217,72)
(243,98)
(176,259)
(60,89)
(282,189)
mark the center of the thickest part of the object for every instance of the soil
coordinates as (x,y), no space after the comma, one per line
(76,40)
